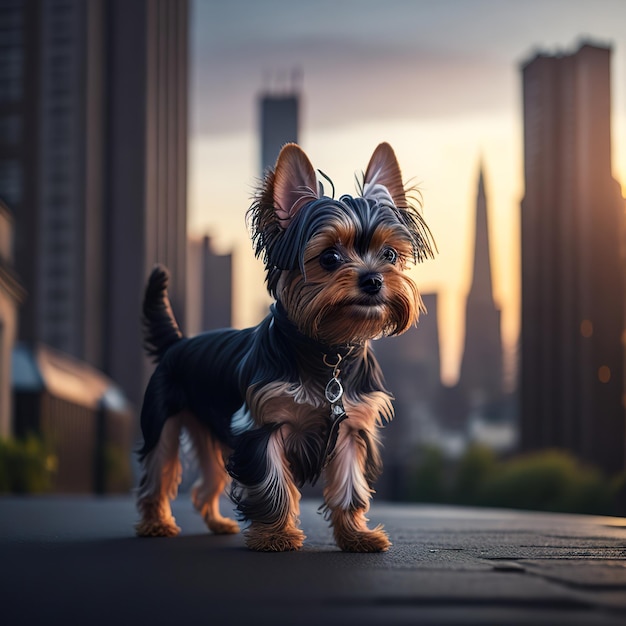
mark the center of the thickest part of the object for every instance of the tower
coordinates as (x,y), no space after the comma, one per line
(279,124)
(481,375)
(572,273)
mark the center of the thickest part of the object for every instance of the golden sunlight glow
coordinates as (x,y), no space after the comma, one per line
(441,157)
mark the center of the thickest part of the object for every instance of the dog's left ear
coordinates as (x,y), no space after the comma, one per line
(383,169)
(295,183)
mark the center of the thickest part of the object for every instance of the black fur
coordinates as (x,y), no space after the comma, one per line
(262,391)
(210,375)
(249,467)
(160,327)
(284,249)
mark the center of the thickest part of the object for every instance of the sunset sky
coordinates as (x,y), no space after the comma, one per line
(440,81)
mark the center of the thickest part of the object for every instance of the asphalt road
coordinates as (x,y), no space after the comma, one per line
(76,561)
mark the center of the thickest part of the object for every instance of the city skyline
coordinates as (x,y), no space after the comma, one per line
(106,150)
(452,99)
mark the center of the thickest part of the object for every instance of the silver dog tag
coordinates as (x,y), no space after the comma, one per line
(333,391)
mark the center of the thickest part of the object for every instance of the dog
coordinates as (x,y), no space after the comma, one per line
(301,395)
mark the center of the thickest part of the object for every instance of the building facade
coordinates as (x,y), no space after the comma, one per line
(209,287)
(572,372)
(146,199)
(11,296)
(93,160)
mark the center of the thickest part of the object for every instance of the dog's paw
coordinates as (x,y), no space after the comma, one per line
(157,528)
(266,539)
(364,541)
(223,526)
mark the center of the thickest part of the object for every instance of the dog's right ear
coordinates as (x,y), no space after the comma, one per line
(295,183)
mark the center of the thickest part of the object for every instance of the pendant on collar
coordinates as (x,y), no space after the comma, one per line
(334,388)
(334,393)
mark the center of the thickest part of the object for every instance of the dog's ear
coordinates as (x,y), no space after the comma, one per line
(383,169)
(295,183)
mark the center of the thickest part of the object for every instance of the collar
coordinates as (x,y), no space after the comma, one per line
(308,348)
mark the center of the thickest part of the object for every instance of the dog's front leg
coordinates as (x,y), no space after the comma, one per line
(347,492)
(265,492)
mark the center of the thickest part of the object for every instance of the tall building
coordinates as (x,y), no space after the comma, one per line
(481,376)
(93,155)
(11,295)
(209,287)
(572,355)
(146,192)
(411,365)
(279,124)
(20,130)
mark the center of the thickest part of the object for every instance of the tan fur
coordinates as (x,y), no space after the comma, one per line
(347,494)
(366,294)
(213,479)
(264,538)
(352,534)
(323,310)
(162,475)
(159,485)
(284,533)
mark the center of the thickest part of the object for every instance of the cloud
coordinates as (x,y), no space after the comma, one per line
(365,60)
(344,81)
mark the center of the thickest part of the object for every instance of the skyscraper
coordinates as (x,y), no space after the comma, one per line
(572,271)
(209,287)
(481,376)
(147,170)
(279,124)
(11,295)
(93,136)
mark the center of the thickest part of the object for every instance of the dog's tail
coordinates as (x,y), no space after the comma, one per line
(160,329)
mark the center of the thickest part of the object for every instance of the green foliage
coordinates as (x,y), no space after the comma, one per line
(117,469)
(551,480)
(26,465)
(428,479)
(477,466)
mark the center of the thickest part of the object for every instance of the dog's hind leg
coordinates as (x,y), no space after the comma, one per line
(159,484)
(213,479)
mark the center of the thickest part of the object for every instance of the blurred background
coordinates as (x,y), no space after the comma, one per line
(135,132)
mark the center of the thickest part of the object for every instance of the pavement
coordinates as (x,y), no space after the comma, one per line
(75,560)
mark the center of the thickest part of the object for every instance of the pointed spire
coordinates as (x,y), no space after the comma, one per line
(481,278)
(481,176)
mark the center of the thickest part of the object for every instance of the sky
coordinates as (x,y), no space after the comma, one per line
(440,81)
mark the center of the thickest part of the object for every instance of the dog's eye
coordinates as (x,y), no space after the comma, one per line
(390,255)
(330,259)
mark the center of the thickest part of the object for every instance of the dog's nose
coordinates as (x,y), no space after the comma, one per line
(371,283)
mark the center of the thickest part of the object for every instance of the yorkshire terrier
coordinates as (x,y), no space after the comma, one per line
(301,394)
